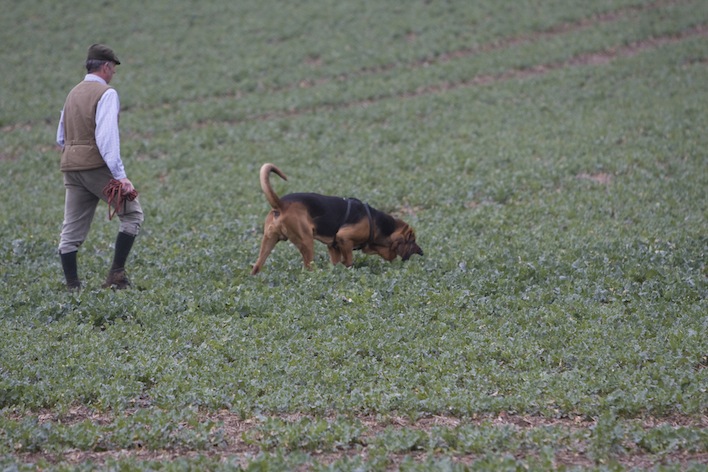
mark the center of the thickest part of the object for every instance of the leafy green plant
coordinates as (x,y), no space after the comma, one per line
(306,434)
(550,156)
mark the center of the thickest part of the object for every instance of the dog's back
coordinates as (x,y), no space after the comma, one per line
(327,213)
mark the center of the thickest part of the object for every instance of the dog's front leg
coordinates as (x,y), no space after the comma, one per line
(334,255)
(346,251)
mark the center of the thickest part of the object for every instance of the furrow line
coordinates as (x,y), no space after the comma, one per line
(587,59)
(465,53)
(501,44)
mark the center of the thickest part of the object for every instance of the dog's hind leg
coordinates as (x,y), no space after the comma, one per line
(271,236)
(306,246)
(301,234)
(267,246)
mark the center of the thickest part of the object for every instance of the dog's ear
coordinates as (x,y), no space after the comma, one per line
(403,242)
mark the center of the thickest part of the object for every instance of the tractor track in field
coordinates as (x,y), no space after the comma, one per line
(500,44)
(234,443)
(596,58)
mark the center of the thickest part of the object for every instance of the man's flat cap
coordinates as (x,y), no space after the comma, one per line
(101,52)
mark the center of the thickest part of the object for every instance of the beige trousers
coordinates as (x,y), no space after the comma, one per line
(84,189)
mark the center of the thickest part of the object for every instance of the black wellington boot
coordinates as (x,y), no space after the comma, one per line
(117,278)
(68,264)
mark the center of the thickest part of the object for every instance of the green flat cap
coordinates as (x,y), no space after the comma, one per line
(101,52)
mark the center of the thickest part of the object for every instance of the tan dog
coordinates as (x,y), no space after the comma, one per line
(343,224)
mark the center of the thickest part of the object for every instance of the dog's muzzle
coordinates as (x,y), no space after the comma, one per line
(415,250)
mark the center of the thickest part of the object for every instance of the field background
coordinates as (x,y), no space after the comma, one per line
(551,155)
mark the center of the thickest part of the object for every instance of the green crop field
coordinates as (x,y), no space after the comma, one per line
(551,155)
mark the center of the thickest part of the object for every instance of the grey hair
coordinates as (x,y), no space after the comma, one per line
(92,65)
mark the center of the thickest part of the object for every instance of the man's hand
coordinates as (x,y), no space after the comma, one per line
(126,186)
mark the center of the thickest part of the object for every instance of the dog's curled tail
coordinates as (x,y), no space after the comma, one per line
(270,194)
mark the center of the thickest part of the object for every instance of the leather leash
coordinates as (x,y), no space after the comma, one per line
(114,193)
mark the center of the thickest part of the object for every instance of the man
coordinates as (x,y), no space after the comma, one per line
(89,139)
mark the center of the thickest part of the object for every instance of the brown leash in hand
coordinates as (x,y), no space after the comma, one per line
(114,193)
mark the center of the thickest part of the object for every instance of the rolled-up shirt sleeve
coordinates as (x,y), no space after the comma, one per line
(60,130)
(107,135)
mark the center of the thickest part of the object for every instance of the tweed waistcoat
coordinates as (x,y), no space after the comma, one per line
(80,148)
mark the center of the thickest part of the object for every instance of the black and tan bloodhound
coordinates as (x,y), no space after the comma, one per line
(343,224)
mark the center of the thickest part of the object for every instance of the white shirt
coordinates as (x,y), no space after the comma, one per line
(107,136)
